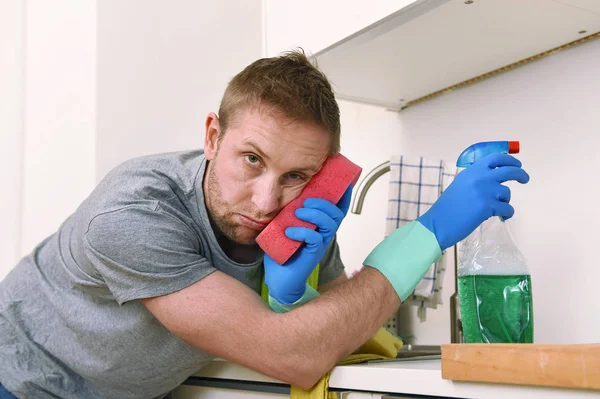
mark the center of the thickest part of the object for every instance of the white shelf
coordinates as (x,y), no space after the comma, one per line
(433,44)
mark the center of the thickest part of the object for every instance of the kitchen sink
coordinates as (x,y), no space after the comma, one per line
(409,350)
(414,352)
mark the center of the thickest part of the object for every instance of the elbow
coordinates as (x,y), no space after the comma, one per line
(305,380)
(301,360)
(305,385)
(306,372)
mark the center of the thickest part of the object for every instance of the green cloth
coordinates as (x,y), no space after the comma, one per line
(404,257)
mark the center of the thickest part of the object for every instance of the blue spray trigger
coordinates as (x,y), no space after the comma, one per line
(478,150)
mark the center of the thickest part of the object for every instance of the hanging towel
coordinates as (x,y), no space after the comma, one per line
(415,184)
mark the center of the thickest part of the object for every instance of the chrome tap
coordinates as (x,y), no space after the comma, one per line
(365,184)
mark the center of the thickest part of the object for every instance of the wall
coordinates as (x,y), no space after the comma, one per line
(370,136)
(551,106)
(162,66)
(86,85)
(59,134)
(11,130)
(310,25)
(47,120)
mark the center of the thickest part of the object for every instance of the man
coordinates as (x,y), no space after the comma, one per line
(157,272)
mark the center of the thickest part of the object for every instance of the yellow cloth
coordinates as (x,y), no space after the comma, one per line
(382,345)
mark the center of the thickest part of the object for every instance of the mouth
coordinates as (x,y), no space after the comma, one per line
(253,223)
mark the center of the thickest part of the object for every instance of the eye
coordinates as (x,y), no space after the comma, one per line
(252,159)
(296,177)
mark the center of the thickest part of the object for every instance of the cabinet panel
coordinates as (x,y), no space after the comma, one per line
(195,392)
(433,46)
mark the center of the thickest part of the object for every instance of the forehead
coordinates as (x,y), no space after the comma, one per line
(280,139)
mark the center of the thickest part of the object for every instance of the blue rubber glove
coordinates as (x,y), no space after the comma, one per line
(287,283)
(475,195)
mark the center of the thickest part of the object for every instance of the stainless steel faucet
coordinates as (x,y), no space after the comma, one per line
(365,184)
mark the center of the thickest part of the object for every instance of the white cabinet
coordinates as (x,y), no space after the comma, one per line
(396,379)
(250,390)
(397,53)
(197,392)
(316,24)
(432,46)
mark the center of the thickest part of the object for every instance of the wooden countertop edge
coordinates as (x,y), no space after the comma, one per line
(552,365)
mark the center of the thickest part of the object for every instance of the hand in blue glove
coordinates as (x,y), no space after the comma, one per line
(287,283)
(475,195)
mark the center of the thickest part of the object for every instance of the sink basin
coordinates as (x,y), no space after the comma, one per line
(414,352)
(409,350)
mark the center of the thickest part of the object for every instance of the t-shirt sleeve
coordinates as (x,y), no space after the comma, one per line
(143,252)
(331,266)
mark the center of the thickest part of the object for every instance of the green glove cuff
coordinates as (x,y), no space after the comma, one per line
(309,294)
(404,257)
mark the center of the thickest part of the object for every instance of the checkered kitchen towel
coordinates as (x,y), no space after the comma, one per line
(415,184)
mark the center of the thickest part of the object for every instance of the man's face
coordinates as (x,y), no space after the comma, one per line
(261,164)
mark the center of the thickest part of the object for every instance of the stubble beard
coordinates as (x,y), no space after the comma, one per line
(217,211)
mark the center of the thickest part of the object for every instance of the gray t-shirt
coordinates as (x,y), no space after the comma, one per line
(71,323)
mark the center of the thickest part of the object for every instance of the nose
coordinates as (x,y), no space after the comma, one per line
(266,195)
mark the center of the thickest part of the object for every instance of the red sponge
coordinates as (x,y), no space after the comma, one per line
(330,183)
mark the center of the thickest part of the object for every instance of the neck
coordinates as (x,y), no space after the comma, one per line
(240,253)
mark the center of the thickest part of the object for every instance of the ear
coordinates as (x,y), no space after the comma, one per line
(211,138)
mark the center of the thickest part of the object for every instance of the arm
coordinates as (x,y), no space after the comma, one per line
(301,345)
(332,271)
(297,347)
(327,286)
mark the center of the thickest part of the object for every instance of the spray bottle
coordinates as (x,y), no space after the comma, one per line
(494,284)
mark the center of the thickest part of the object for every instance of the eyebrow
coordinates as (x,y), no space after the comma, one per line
(264,156)
(257,149)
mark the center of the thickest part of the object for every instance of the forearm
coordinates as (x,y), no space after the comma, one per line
(330,327)
(220,315)
(332,284)
(335,324)
(303,344)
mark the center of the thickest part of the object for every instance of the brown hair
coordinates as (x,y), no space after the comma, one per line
(288,84)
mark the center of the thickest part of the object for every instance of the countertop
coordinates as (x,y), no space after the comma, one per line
(419,377)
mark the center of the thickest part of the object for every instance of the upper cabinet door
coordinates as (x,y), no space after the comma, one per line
(317,24)
(398,53)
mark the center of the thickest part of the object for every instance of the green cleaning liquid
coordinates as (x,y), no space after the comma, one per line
(496,309)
